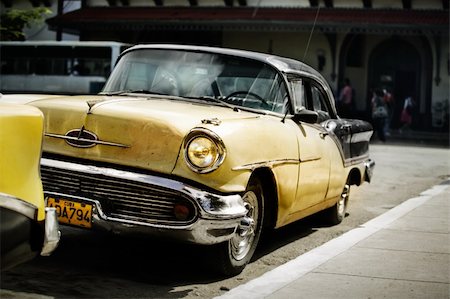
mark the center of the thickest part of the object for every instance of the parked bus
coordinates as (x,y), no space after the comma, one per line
(61,67)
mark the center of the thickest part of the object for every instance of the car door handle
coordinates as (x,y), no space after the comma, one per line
(323,134)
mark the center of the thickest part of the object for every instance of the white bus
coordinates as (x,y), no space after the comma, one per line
(59,67)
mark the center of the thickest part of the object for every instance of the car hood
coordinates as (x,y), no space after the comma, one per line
(141,132)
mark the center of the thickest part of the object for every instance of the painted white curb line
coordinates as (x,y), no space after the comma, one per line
(281,276)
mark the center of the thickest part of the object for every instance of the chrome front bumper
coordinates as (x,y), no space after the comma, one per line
(217,216)
(51,233)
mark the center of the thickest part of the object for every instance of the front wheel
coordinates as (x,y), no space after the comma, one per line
(235,254)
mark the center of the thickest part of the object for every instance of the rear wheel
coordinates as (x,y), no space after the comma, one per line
(336,213)
(235,254)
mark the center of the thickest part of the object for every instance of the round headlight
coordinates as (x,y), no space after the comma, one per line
(204,150)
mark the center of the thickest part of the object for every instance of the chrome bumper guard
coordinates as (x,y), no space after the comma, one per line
(369,167)
(218,215)
(52,234)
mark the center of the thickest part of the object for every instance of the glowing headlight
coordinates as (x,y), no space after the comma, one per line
(203,152)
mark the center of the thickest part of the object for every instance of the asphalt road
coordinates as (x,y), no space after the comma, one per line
(98,265)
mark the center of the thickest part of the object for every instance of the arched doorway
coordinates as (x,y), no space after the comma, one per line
(396,65)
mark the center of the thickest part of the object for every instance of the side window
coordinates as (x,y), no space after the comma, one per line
(318,99)
(298,90)
(311,95)
(318,102)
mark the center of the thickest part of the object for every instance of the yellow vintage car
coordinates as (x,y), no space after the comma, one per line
(27,227)
(205,145)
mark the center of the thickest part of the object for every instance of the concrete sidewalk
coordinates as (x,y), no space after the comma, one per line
(404,253)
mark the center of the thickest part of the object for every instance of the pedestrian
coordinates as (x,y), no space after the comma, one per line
(406,114)
(389,100)
(345,100)
(379,113)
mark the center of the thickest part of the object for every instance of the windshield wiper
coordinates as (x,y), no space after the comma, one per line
(122,92)
(225,104)
(216,100)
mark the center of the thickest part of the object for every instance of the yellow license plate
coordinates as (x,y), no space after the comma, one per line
(72,212)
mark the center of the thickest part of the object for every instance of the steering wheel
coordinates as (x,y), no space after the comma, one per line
(245,92)
(166,82)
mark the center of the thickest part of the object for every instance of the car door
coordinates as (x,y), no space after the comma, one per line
(338,136)
(314,152)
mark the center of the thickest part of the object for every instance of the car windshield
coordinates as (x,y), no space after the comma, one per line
(237,81)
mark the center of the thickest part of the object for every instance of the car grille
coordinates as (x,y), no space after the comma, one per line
(121,199)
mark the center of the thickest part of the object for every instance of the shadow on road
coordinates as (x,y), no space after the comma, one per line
(90,264)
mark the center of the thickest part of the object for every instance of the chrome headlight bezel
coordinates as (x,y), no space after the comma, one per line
(215,140)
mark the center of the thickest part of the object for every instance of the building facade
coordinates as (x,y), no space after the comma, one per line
(398,45)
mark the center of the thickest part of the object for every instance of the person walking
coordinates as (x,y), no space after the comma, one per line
(345,100)
(389,100)
(406,115)
(379,114)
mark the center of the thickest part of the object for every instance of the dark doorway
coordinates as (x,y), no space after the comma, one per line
(395,65)
(405,86)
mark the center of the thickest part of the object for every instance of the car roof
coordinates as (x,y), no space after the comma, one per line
(283,64)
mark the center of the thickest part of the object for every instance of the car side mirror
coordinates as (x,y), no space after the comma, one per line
(307,116)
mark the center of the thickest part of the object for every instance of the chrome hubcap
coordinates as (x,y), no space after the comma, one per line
(343,200)
(242,241)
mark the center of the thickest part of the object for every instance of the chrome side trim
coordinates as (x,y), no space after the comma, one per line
(269,164)
(355,160)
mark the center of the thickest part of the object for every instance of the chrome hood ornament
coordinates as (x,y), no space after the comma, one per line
(83,139)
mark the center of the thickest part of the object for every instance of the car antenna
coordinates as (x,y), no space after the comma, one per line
(312,31)
(307,48)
